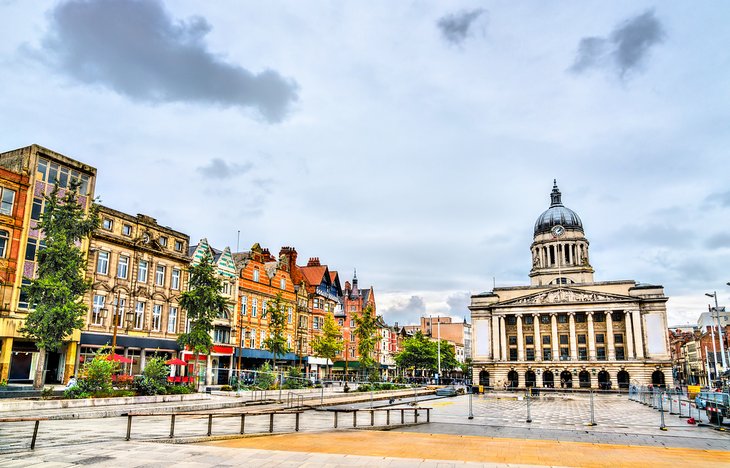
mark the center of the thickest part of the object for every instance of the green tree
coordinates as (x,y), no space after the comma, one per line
(329,343)
(203,302)
(367,337)
(55,294)
(448,356)
(418,353)
(276,342)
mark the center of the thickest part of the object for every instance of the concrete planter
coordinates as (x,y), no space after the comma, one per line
(18,405)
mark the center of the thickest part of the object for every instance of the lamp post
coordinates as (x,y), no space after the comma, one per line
(719,328)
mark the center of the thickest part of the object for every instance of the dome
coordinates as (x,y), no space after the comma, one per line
(557,214)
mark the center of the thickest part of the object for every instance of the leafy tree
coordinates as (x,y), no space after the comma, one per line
(265,378)
(203,302)
(329,343)
(448,356)
(55,294)
(276,342)
(421,353)
(154,377)
(367,337)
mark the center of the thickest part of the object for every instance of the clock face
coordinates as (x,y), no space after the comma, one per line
(557,231)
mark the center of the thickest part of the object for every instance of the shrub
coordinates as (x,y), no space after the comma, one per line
(96,375)
(265,378)
(156,370)
(76,392)
(47,393)
(226,388)
(294,379)
(180,389)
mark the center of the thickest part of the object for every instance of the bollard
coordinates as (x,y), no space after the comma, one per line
(428,415)
(210,424)
(129,426)
(415,415)
(529,419)
(661,412)
(415,396)
(372,418)
(371,399)
(402,417)
(35,434)
(335,419)
(593,414)
(271,422)
(243,422)
(717,418)
(296,422)
(354,418)
(321,398)
(387,417)
(172,426)
(471,413)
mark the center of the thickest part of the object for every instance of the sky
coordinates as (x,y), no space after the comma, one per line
(414,141)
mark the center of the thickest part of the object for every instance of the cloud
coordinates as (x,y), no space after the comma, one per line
(459,304)
(406,312)
(135,48)
(718,241)
(456,27)
(721,199)
(219,169)
(624,50)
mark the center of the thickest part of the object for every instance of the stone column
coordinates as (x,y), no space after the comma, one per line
(495,338)
(554,339)
(638,335)
(520,340)
(609,336)
(503,341)
(591,338)
(573,337)
(5,353)
(208,370)
(629,335)
(69,366)
(538,339)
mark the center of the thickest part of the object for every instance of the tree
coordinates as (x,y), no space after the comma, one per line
(421,353)
(55,294)
(276,342)
(203,302)
(329,343)
(367,337)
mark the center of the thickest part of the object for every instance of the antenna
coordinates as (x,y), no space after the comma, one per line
(238,239)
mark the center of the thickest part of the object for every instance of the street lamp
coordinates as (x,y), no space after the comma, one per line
(719,328)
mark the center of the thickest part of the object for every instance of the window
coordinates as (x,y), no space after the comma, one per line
(564,339)
(599,317)
(122,267)
(119,310)
(142,271)
(617,316)
(512,340)
(620,356)
(513,354)
(172,320)
(352,352)
(97,314)
(564,354)
(530,340)
(221,335)
(262,343)
(6,201)
(601,353)
(254,307)
(32,247)
(600,338)
(264,309)
(163,241)
(288,341)
(37,209)
(178,246)
(127,230)
(529,320)
(102,263)
(582,354)
(4,236)
(289,313)
(545,319)
(547,354)
(282,283)
(156,317)
(580,317)
(252,339)
(175,280)
(107,224)
(618,338)
(244,305)
(341,322)
(256,275)
(316,303)
(581,339)
(562,318)
(160,275)
(352,323)
(511,320)
(545,339)
(530,354)
(139,316)
(316,322)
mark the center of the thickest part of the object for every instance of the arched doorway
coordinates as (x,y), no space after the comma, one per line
(513,379)
(566,379)
(548,380)
(604,380)
(584,379)
(530,379)
(484,378)
(657,379)
(623,379)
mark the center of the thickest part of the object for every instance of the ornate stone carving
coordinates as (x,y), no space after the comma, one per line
(564,295)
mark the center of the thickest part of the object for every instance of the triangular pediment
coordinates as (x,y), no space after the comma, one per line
(565,296)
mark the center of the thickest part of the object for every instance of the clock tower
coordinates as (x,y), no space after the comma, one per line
(559,248)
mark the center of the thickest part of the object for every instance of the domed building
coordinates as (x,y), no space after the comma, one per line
(564,329)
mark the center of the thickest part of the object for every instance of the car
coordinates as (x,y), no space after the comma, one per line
(715,404)
(446,391)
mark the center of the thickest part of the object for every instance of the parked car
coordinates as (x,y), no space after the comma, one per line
(715,404)
(446,391)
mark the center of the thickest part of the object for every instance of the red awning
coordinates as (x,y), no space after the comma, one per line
(119,358)
(175,362)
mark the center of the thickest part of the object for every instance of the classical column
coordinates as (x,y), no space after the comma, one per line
(591,338)
(520,340)
(629,335)
(638,335)
(538,340)
(554,339)
(503,341)
(495,338)
(609,336)
(573,337)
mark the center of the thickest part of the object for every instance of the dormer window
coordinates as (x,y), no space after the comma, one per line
(256,275)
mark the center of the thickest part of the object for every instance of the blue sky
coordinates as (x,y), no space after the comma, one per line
(414,141)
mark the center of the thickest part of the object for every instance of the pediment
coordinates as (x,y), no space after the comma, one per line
(566,296)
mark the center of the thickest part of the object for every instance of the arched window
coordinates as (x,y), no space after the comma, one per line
(4,236)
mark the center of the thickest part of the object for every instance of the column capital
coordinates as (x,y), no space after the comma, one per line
(535,314)
(571,314)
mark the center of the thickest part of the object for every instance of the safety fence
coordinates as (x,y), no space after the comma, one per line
(705,409)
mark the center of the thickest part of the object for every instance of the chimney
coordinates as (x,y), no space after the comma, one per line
(313,261)
(347,286)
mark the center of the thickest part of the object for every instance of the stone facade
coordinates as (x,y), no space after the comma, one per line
(565,329)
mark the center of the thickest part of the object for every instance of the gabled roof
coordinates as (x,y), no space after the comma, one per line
(315,275)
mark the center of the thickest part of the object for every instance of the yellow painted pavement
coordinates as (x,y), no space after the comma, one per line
(482,449)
